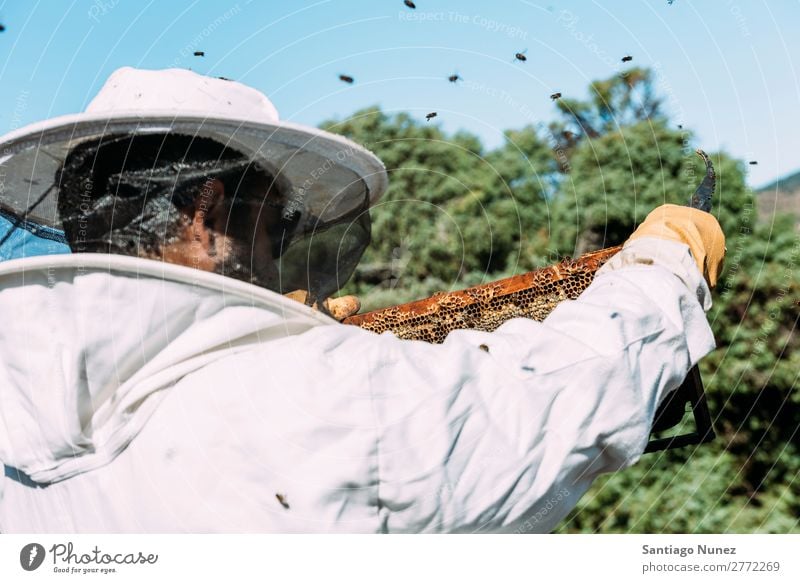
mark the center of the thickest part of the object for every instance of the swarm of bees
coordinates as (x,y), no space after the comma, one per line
(199,54)
(455,77)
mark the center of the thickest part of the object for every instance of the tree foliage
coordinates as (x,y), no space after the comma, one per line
(613,103)
(456,215)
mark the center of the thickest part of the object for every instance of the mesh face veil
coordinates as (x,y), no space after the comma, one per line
(129,193)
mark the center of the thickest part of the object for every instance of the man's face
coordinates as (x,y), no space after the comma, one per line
(229,233)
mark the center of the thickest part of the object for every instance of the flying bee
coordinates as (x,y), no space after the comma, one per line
(410,4)
(753,162)
(555,96)
(454,78)
(346,79)
(199,54)
(521,56)
(627,58)
(431,115)
(2,28)
(283,500)
(680,127)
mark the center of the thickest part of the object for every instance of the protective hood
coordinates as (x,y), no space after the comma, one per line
(96,341)
(50,168)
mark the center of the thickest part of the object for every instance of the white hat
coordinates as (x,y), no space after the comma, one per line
(328,171)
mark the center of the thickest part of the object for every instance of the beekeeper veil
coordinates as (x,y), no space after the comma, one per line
(147,148)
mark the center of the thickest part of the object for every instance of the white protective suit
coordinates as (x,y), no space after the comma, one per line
(138,396)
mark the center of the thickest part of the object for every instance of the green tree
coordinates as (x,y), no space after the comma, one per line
(620,169)
(621,100)
(452,215)
(456,215)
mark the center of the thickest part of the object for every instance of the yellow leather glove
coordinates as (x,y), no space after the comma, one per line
(697,229)
(338,308)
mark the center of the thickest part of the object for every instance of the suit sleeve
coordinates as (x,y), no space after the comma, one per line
(508,436)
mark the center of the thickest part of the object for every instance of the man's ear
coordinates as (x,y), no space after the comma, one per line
(198,245)
(207,213)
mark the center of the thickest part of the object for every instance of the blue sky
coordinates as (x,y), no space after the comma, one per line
(726,67)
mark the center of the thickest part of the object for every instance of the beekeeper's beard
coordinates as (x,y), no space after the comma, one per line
(244,262)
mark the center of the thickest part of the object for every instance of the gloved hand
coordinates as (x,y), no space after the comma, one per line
(697,229)
(338,308)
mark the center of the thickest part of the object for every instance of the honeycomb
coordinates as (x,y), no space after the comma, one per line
(485,307)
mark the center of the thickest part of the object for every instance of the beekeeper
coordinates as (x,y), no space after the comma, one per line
(155,379)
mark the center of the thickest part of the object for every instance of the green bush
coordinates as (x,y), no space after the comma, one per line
(456,215)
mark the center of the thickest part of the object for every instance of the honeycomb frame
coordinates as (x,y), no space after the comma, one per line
(485,307)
